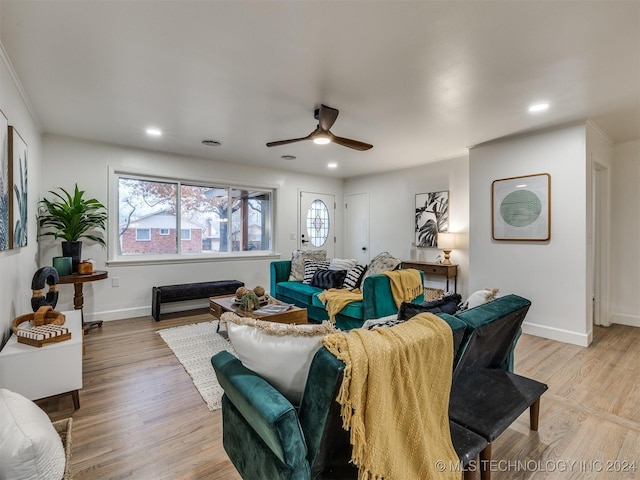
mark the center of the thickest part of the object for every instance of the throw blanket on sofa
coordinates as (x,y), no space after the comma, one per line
(395,398)
(335,299)
(405,285)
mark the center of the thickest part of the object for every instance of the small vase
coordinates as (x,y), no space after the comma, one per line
(73,250)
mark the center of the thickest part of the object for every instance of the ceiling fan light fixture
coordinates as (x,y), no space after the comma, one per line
(321,140)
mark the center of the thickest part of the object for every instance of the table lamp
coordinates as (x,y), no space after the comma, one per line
(446,242)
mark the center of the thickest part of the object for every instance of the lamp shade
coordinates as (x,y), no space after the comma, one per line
(446,241)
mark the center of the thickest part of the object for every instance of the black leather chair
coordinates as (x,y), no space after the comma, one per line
(486,398)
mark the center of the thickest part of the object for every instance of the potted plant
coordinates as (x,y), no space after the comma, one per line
(72,217)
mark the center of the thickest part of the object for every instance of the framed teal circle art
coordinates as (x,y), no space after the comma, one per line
(521,208)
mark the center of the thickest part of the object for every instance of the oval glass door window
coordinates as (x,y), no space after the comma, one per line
(318,223)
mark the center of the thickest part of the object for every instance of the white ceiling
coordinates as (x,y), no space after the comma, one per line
(421,81)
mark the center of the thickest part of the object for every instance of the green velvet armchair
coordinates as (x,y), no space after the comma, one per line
(267,438)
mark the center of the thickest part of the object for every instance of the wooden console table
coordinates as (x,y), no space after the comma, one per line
(78,281)
(436,269)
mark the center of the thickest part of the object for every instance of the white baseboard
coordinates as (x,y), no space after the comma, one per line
(145,311)
(624,319)
(558,334)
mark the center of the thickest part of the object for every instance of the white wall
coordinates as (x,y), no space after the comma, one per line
(551,274)
(66,157)
(18,266)
(392,210)
(625,235)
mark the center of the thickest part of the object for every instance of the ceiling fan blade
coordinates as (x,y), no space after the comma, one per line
(347,142)
(327,117)
(285,142)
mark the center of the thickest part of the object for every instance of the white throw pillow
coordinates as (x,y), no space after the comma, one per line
(278,352)
(480,297)
(30,447)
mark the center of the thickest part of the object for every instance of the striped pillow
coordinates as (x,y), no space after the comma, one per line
(311,266)
(354,277)
(342,263)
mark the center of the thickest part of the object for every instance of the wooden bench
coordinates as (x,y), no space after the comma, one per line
(190,291)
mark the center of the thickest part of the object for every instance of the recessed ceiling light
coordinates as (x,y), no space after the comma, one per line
(155,132)
(538,107)
(332,165)
(288,157)
(211,143)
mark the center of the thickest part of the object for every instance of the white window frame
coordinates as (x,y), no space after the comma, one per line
(113,258)
(182,237)
(148,239)
(165,231)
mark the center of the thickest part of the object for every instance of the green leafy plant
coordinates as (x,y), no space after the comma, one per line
(249,301)
(72,217)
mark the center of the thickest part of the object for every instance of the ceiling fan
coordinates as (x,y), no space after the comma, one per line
(326,117)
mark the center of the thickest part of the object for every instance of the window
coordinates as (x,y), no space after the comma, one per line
(211,219)
(318,223)
(143,234)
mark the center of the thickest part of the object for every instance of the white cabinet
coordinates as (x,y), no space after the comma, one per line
(39,372)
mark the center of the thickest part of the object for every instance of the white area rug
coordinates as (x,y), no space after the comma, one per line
(194,345)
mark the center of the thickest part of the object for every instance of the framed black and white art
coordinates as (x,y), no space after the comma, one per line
(432,216)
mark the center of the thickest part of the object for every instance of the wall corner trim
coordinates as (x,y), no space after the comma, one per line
(16,81)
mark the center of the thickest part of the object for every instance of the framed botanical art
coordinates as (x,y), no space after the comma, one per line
(521,208)
(432,216)
(5,183)
(18,197)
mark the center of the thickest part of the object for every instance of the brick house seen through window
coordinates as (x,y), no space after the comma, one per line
(156,234)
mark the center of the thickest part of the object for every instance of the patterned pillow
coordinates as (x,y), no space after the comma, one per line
(297,262)
(354,277)
(382,262)
(311,267)
(326,279)
(342,263)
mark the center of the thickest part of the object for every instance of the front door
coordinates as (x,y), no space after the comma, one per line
(316,225)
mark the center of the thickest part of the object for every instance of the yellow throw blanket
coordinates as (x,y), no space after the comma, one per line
(405,285)
(335,299)
(395,399)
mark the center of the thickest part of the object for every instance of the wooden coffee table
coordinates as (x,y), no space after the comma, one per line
(219,305)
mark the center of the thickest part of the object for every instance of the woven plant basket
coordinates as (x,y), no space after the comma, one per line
(63,427)
(432,294)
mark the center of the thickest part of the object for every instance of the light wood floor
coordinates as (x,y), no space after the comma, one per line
(142,418)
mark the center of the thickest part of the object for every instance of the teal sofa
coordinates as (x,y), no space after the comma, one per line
(377,299)
(268,438)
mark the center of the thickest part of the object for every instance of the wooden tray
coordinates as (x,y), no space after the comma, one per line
(40,343)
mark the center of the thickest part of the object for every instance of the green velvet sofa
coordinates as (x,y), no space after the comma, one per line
(377,299)
(268,438)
